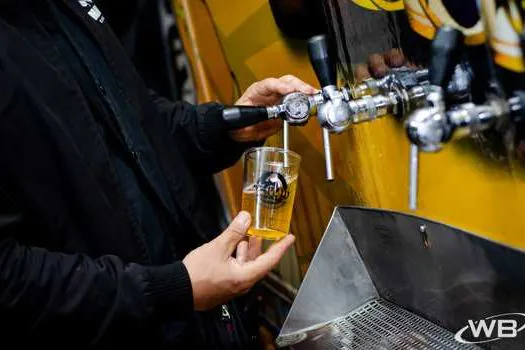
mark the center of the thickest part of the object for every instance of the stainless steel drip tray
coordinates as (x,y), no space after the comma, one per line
(377,324)
(387,280)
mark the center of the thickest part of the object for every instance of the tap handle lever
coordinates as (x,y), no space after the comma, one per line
(239,117)
(445,51)
(324,68)
(326,73)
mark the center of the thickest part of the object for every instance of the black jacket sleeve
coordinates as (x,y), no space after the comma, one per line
(73,299)
(200,131)
(77,300)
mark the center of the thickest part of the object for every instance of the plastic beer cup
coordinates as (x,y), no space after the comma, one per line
(270,183)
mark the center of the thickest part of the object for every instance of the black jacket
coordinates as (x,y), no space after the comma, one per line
(73,269)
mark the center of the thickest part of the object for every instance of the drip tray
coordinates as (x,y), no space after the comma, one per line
(382,325)
(386,280)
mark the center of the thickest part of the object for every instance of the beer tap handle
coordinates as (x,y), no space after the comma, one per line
(445,52)
(326,73)
(324,68)
(239,117)
(522,42)
(484,81)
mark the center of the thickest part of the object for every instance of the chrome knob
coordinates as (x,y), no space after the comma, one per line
(334,115)
(428,129)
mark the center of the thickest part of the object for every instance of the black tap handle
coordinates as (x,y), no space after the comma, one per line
(484,79)
(324,68)
(445,51)
(242,116)
(522,43)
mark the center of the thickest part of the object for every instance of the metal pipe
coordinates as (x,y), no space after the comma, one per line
(286,142)
(328,155)
(414,172)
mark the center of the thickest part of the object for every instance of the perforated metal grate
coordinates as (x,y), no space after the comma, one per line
(382,325)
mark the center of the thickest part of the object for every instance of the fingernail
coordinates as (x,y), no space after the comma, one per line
(243,219)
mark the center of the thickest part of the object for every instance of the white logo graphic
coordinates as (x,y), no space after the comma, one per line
(492,328)
(93,11)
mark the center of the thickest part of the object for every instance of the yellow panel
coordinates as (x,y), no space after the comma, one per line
(277,59)
(212,76)
(230,14)
(254,31)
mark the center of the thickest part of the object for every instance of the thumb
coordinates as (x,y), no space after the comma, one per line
(235,232)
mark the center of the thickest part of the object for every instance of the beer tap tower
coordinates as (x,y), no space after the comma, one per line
(397,93)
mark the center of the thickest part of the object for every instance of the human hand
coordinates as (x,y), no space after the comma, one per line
(216,276)
(378,65)
(265,93)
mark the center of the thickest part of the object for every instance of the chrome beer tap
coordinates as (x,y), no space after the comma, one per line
(332,109)
(404,76)
(296,108)
(423,124)
(431,127)
(443,73)
(399,92)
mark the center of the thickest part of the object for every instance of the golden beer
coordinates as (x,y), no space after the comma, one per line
(270,183)
(269,220)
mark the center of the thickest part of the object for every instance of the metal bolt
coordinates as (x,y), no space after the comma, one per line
(424,236)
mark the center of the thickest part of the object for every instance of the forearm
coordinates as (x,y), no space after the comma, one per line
(201,133)
(46,295)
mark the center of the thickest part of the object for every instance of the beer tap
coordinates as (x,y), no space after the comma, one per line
(399,92)
(332,110)
(431,127)
(296,108)
(406,77)
(444,51)
(424,124)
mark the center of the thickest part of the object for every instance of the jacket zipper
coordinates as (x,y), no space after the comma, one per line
(227,319)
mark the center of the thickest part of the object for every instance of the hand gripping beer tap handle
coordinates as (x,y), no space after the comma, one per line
(326,73)
(239,117)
